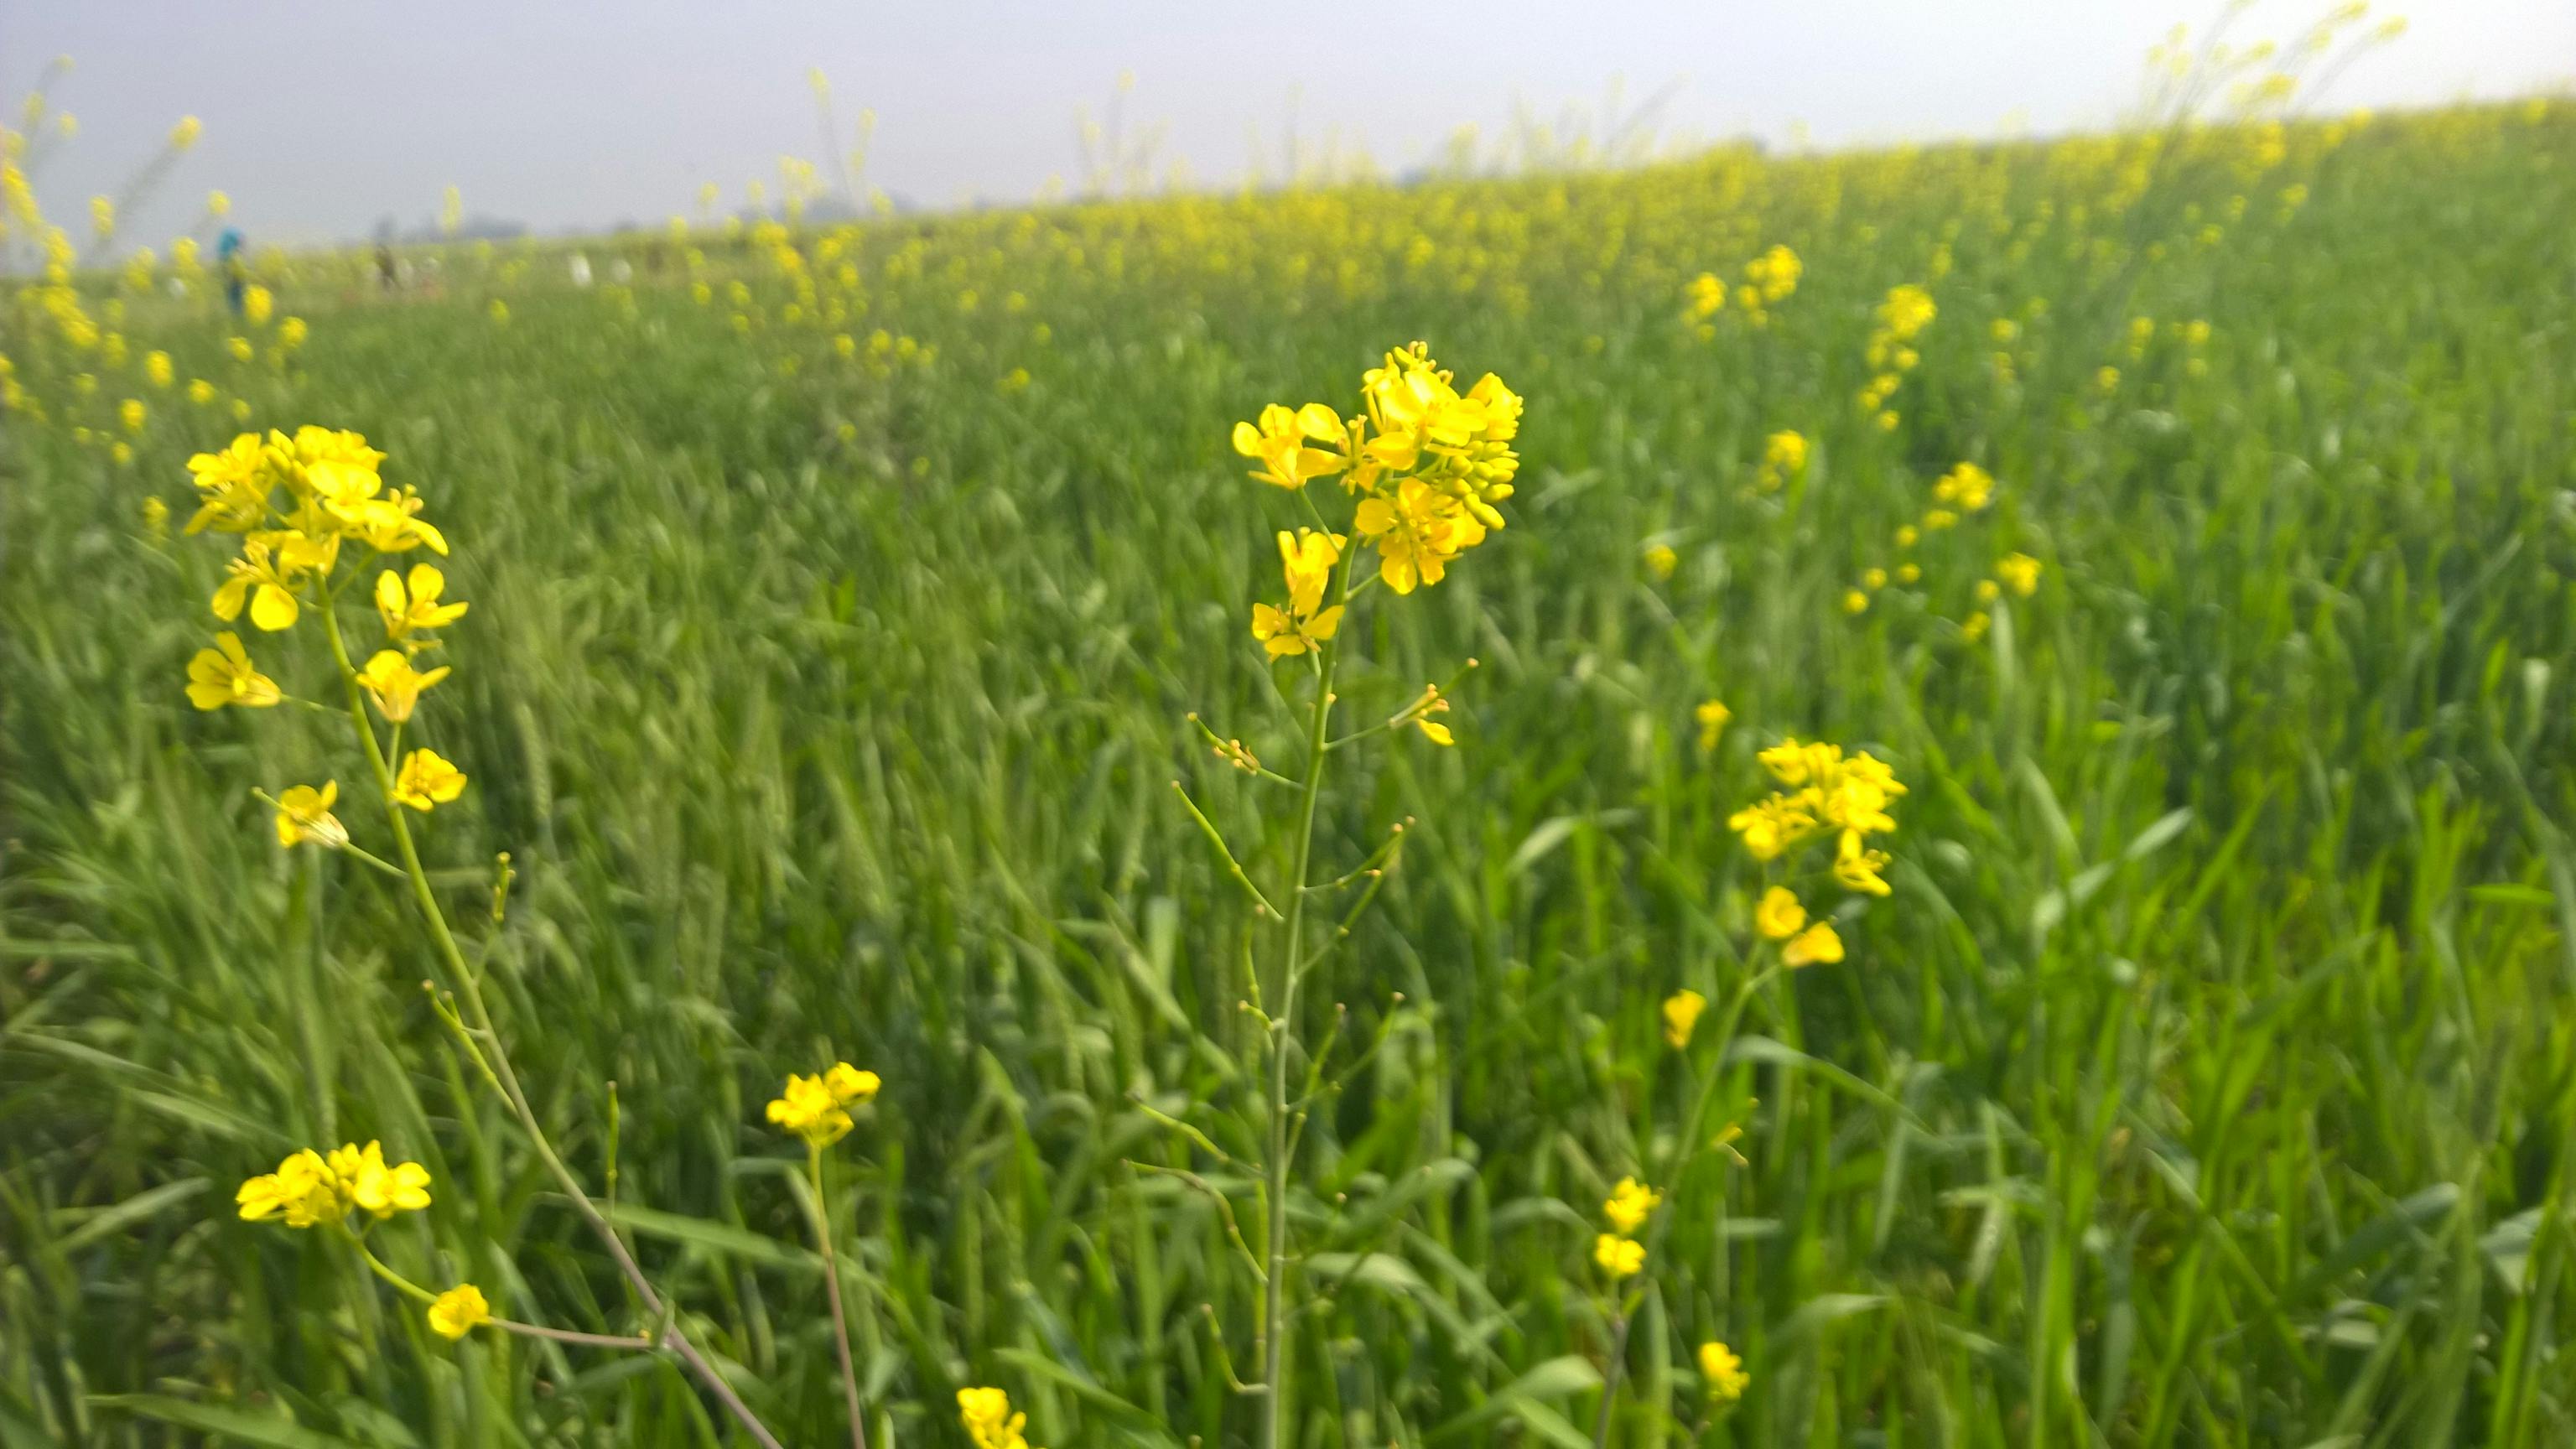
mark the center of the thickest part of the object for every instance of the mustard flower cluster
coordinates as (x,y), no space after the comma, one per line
(1769,279)
(1426,462)
(1964,491)
(310,1189)
(1825,793)
(1901,319)
(1618,1253)
(299,504)
(817,1108)
(986,1416)
(1784,460)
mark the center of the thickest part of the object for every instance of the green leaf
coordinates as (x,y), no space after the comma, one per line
(222,1422)
(1555,1379)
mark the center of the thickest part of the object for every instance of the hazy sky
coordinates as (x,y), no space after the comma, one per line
(322,117)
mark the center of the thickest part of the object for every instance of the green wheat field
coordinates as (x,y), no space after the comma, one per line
(841,599)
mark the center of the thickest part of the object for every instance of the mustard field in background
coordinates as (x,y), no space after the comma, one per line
(1945,821)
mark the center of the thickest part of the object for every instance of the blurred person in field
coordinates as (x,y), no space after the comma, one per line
(228,255)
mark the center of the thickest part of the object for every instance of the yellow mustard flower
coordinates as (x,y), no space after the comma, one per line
(156,366)
(1779,916)
(223,675)
(1724,1373)
(1419,715)
(1661,561)
(987,1418)
(1817,945)
(1873,578)
(302,1192)
(264,578)
(1973,628)
(1785,453)
(1988,591)
(1417,533)
(1771,826)
(1617,1256)
(257,303)
(411,606)
(459,1311)
(304,813)
(1281,440)
(394,685)
(234,484)
(427,779)
(372,1185)
(816,1108)
(1857,866)
(1966,485)
(1712,716)
(1681,1017)
(2019,572)
(1629,1205)
(1855,602)
(132,413)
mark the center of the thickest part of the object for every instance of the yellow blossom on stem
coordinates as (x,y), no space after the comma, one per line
(1817,945)
(304,813)
(2019,572)
(394,685)
(223,675)
(1779,916)
(1280,441)
(302,1192)
(410,606)
(368,1183)
(1712,716)
(1681,1017)
(459,1311)
(816,1108)
(1617,1256)
(1858,867)
(1629,1205)
(427,779)
(1724,1373)
(986,1416)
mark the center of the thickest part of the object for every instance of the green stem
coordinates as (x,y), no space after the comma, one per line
(499,1059)
(1282,1030)
(832,1292)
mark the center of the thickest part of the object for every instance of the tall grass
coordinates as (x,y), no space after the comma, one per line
(2206,1080)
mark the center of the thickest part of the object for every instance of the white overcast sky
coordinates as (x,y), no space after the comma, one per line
(323,115)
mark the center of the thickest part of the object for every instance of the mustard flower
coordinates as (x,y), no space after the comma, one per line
(257,302)
(2019,572)
(1417,533)
(1967,485)
(1419,715)
(303,1192)
(1712,716)
(427,779)
(263,578)
(1661,561)
(459,1311)
(1818,944)
(394,685)
(234,484)
(1779,916)
(223,675)
(816,1108)
(1281,442)
(1724,1372)
(368,1183)
(410,606)
(1629,1205)
(1857,866)
(1681,1017)
(987,1418)
(1617,1256)
(304,813)
(1855,602)
(1771,826)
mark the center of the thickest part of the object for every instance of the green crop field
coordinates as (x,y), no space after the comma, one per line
(848,601)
